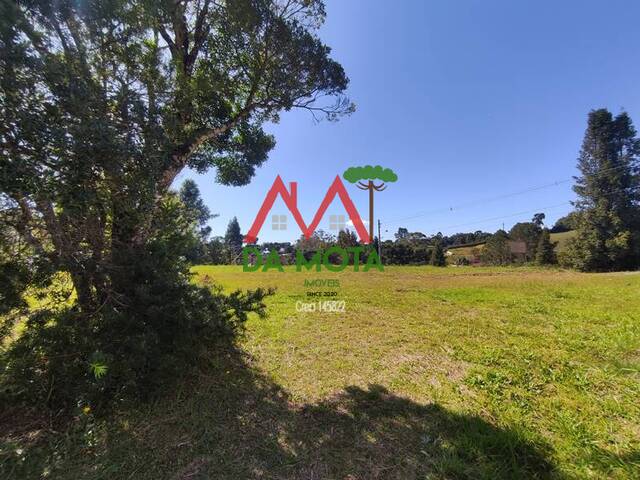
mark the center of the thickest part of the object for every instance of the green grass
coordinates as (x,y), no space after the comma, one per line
(431,373)
(467,250)
(562,240)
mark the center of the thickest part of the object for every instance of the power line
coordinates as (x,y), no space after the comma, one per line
(477,202)
(534,210)
(493,199)
(511,215)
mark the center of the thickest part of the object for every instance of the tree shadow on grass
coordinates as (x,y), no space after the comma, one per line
(236,423)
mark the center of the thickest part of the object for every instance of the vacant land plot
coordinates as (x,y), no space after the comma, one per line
(430,373)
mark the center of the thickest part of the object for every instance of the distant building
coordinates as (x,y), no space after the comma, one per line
(518,249)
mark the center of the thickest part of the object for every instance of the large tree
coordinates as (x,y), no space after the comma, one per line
(104,103)
(608,188)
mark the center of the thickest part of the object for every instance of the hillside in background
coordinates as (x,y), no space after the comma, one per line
(562,240)
(471,250)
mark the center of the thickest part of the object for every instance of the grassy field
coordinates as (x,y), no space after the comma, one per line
(562,239)
(430,373)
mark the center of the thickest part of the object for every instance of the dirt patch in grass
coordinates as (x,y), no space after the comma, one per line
(433,367)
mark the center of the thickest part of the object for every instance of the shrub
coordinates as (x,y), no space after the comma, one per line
(152,327)
(65,358)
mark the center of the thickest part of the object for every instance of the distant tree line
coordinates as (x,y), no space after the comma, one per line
(605,222)
(408,248)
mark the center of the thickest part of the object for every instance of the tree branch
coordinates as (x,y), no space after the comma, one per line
(25,225)
(165,36)
(181,35)
(200,33)
(184,152)
(53,225)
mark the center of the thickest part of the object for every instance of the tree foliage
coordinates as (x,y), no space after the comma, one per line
(538,219)
(347,238)
(233,239)
(417,247)
(199,214)
(608,189)
(405,253)
(529,233)
(565,224)
(190,196)
(319,240)
(437,255)
(545,253)
(402,233)
(496,250)
(102,105)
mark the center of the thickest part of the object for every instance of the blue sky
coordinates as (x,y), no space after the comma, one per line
(466,100)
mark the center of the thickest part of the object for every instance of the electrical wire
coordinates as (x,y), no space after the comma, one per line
(461,206)
(539,209)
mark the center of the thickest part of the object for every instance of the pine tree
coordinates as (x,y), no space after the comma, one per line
(608,205)
(545,254)
(437,255)
(198,214)
(233,239)
(190,196)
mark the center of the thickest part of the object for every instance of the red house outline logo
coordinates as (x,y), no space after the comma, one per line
(290,198)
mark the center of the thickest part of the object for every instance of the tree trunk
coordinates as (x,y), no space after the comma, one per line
(82,286)
(370,211)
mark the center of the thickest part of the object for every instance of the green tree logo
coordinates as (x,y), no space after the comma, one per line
(358,174)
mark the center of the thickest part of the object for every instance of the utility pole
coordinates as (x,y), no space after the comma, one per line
(379,242)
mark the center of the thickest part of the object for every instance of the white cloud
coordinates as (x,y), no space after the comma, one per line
(350,222)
